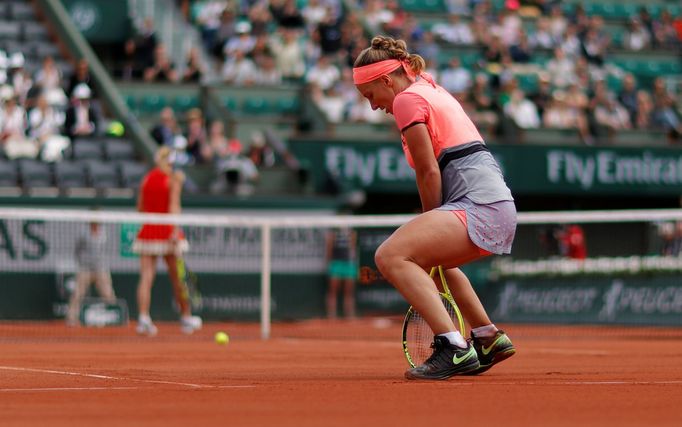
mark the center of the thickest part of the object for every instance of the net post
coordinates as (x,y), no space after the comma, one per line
(265,293)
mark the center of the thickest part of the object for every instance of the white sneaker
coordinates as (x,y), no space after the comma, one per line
(189,324)
(146,328)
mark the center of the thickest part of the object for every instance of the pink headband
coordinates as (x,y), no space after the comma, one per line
(369,72)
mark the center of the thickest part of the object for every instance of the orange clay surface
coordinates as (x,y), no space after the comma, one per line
(560,376)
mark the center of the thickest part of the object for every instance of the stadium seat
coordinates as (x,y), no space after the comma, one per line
(132,173)
(34,31)
(86,149)
(69,174)
(9,30)
(102,175)
(256,105)
(183,103)
(118,150)
(21,11)
(230,103)
(288,105)
(8,174)
(34,173)
(152,103)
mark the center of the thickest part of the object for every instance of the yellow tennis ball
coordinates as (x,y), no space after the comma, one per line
(222,338)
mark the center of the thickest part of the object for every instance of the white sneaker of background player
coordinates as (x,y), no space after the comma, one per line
(189,324)
(146,328)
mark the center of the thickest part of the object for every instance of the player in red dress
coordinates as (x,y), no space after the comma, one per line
(160,193)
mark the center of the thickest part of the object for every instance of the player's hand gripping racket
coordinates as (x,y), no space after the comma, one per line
(417,335)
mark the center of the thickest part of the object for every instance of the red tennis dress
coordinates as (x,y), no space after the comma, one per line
(158,239)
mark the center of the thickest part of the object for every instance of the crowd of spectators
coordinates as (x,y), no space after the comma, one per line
(42,113)
(260,43)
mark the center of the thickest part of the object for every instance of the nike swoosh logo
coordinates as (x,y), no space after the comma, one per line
(457,360)
(489,349)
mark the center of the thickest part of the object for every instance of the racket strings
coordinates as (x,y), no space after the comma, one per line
(419,336)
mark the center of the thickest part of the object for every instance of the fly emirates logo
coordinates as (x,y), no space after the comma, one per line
(606,167)
(382,165)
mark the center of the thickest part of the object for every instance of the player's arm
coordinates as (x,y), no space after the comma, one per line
(425,165)
(140,198)
(177,179)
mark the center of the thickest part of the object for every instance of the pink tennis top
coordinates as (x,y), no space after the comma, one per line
(446,121)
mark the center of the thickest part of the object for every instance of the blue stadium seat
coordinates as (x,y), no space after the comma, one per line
(8,174)
(102,175)
(69,174)
(86,149)
(132,173)
(34,173)
(118,150)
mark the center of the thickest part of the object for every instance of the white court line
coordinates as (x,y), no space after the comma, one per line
(102,377)
(7,390)
(571,351)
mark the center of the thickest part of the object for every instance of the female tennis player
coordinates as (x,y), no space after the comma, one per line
(468,210)
(160,193)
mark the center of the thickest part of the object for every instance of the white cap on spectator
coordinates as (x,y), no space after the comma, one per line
(16,60)
(81,91)
(242,27)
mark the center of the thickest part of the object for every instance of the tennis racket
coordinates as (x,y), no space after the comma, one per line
(417,335)
(190,284)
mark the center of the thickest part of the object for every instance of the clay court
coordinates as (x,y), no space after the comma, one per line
(66,377)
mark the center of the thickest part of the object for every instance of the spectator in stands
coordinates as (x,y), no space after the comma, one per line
(160,193)
(628,96)
(456,79)
(145,44)
(557,22)
(611,116)
(665,35)
(198,146)
(561,69)
(482,103)
(560,114)
(44,125)
(522,111)
(329,30)
(130,66)
(324,74)
(458,7)
(217,139)
(13,127)
(260,153)
(376,14)
(92,257)
(81,75)
(208,20)
(645,108)
(521,51)
(494,52)
(194,69)
(242,40)
(542,97)
(288,16)
(49,80)
(594,46)
(238,69)
(18,78)
(543,37)
(664,116)
(342,270)
(570,42)
(260,19)
(454,31)
(573,242)
(288,53)
(637,37)
(330,102)
(428,48)
(225,32)
(237,173)
(267,73)
(313,13)
(162,69)
(165,132)
(82,119)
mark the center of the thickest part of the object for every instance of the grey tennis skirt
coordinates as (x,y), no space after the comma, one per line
(491,227)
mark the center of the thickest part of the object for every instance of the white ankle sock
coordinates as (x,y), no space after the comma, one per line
(485,331)
(144,318)
(455,338)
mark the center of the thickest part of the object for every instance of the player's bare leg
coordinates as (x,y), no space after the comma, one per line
(144,295)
